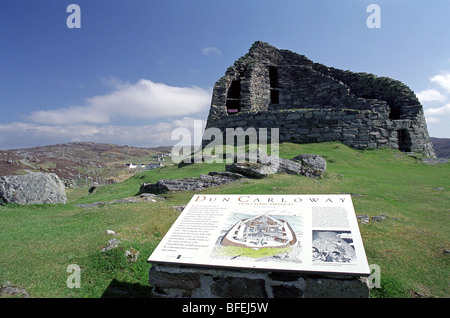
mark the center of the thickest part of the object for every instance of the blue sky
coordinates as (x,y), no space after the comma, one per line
(138,69)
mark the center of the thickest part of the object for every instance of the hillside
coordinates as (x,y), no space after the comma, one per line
(410,244)
(441,147)
(76,159)
(88,159)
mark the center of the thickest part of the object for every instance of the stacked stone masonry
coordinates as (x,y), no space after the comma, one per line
(309,102)
(169,281)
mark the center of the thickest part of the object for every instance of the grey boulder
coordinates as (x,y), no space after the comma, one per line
(32,188)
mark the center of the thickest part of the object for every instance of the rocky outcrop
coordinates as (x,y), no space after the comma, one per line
(144,197)
(33,188)
(251,170)
(260,165)
(189,184)
(313,165)
(255,166)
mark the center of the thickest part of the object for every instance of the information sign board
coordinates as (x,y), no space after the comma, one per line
(300,233)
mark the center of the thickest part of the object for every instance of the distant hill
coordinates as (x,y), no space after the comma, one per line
(441,147)
(89,159)
(76,159)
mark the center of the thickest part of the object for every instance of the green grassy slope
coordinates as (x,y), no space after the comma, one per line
(37,243)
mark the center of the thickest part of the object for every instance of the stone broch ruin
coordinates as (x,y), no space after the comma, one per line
(310,102)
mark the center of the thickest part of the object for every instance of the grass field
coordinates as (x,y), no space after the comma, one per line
(39,242)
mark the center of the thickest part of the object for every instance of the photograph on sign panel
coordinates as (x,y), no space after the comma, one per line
(333,247)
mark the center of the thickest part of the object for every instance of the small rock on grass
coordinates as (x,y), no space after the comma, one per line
(7,289)
(111,244)
(132,255)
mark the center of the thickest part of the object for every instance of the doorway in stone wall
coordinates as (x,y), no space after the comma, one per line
(404,140)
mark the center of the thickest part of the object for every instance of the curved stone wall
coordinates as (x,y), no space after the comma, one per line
(310,102)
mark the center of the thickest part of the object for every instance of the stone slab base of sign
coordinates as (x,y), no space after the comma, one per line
(172,281)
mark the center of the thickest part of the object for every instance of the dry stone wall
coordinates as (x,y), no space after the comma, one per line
(169,281)
(358,129)
(310,102)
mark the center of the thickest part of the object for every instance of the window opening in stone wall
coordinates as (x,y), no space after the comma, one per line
(274,86)
(273,75)
(394,112)
(274,96)
(404,140)
(234,98)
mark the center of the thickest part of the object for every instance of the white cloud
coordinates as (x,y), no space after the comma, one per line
(436,106)
(211,50)
(443,80)
(140,114)
(21,135)
(432,120)
(430,95)
(144,99)
(437,114)
(438,111)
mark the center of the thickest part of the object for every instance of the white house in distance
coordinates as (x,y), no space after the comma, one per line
(149,166)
